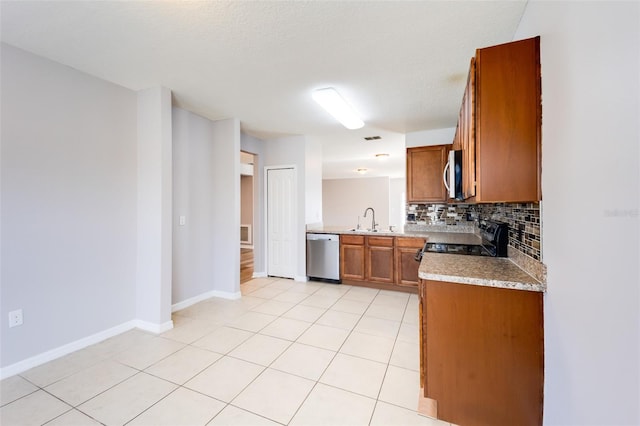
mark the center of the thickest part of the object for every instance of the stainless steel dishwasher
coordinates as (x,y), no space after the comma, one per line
(323,257)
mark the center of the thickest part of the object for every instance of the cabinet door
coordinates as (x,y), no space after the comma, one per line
(406,265)
(380,256)
(425,166)
(352,262)
(352,257)
(380,264)
(508,119)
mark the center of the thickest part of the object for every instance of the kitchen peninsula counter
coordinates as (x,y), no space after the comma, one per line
(486,271)
(481,341)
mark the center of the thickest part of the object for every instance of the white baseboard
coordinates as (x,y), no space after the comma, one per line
(259,275)
(152,327)
(302,279)
(204,296)
(191,301)
(34,361)
(227,294)
(63,350)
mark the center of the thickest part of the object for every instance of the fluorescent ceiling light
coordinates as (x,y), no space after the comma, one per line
(362,170)
(331,100)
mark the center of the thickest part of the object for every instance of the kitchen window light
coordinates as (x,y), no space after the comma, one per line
(334,104)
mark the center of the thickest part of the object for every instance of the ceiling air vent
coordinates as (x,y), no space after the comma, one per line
(372,138)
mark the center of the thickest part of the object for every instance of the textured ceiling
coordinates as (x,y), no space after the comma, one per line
(402,65)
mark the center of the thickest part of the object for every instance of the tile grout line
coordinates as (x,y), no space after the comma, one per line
(389,363)
(326,310)
(334,355)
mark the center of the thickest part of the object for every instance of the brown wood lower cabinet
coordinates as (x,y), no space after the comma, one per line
(482,354)
(379,260)
(406,265)
(382,261)
(352,257)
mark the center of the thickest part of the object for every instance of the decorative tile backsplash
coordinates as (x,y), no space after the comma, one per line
(523,220)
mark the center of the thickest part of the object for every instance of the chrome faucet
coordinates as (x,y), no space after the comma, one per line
(373,218)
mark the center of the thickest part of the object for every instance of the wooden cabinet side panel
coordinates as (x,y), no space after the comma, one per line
(483,353)
(508,122)
(469,138)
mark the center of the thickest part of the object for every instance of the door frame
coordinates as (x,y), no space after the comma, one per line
(296,247)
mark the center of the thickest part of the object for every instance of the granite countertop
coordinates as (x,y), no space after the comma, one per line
(431,236)
(486,271)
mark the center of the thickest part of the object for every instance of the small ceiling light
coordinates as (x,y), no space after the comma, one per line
(362,171)
(382,157)
(372,138)
(335,105)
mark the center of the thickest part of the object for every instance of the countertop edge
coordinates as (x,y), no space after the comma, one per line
(540,288)
(416,234)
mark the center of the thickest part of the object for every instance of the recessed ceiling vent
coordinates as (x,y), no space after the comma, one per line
(372,138)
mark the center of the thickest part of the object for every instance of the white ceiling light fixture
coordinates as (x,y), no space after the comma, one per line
(382,157)
(330,100)
(362,170)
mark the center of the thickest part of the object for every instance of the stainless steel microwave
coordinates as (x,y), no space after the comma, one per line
(452,175)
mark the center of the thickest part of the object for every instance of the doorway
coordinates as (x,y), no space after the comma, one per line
(281,221)
(247,229)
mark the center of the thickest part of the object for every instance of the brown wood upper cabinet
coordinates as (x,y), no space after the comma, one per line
(425,166)
(499,124)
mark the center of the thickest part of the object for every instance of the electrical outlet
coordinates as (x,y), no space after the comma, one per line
(15,318)
(183,220)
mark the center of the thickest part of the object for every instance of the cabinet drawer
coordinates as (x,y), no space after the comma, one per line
(352,239)
(380,241)
(411,242)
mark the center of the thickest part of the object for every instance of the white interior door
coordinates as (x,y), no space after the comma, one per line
(281,222)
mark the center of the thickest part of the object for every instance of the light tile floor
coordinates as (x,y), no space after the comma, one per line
(287,353)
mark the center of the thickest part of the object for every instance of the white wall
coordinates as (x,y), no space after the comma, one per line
(68,204)
(291,151)
(313,183)
(345,200)
(207,248)
(590,161)
(226,209)
(397,202)
(153,290)
(257,147)
(430,137)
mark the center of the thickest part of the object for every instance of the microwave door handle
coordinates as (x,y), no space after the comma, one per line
(444,176)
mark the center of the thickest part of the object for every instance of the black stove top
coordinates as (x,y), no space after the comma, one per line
(495,238)
(473,250)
